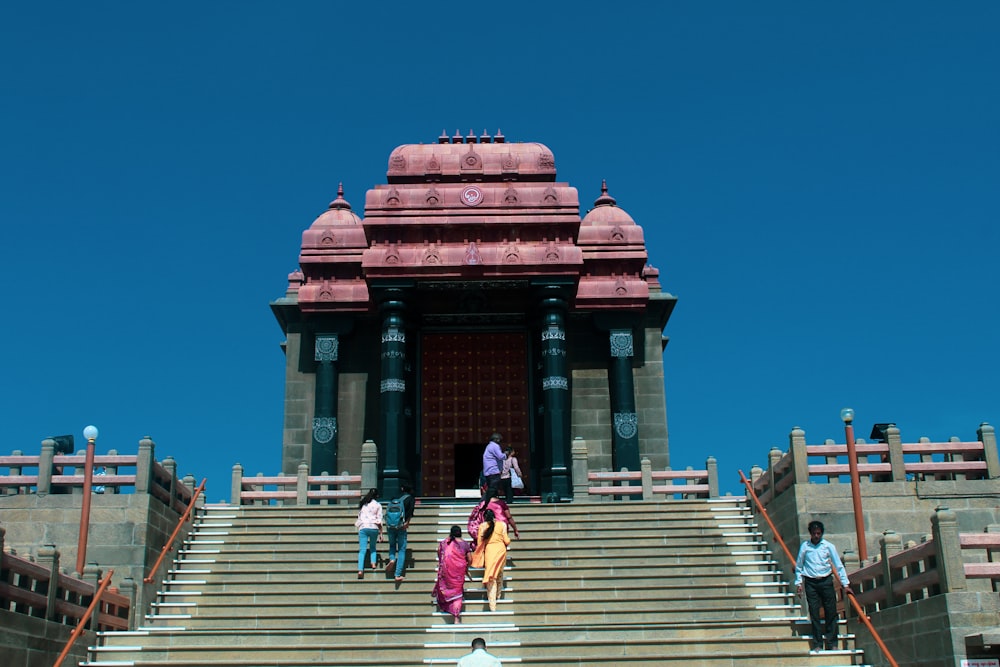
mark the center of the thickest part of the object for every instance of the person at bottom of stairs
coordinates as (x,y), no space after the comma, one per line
(491,555)
(479,657)
(815,567)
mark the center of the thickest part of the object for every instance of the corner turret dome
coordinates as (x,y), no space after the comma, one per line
(338,213)
(606,211)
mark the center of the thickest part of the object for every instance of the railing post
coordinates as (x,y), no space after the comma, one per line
(896,462)
(988,437)
(92,575)
(646,475)
(144,465)
(951,568)
(890,544)
(343,487)
(369,466)
(712,466)
(170,465)
(800,460)
(302,485)
(128,588)
(236,487)
(112,470)
(44,486)
(580,471)
(15,470)
(755,473)
(48,557)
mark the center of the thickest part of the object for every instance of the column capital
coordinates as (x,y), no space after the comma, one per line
(327,347)
(621,343)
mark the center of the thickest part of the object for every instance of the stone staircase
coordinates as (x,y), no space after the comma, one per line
(685,582)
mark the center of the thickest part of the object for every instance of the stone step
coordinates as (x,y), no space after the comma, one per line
(474,622)
(694,584)
(540,652)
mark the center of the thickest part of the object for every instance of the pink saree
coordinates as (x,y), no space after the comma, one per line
(449,588)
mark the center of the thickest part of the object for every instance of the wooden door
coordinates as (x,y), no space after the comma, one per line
(471,385)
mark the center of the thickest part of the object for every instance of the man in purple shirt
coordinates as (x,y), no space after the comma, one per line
(492,462)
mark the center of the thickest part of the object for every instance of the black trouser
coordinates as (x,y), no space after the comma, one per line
(507,489)
(820,593)
(492,486)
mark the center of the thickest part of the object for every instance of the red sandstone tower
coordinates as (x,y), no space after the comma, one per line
(473,297)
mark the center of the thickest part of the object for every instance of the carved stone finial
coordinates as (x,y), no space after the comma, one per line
(605,199)
(340,202)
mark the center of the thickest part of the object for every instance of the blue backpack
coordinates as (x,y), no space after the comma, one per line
(395,512)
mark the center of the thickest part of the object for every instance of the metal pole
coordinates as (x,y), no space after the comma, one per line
(859,518)
(88,479)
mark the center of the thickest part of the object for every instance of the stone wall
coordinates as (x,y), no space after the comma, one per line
(26,641)
(929,632)
(127,533)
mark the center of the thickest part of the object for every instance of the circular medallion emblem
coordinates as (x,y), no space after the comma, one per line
(472,196)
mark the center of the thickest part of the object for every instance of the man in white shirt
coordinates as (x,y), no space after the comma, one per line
(479,657)
(814,573)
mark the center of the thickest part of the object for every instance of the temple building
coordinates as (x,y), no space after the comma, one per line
(473,297)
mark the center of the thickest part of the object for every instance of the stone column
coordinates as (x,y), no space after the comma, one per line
(369,466)
(44,486)
(302,485)
(712,466)
(144,465)
(988,437)
(891,544)
(580,481)
(324,428)
(951,567)
(625,434)
(555,399)
(236,487)
(48,557)
(896,460)
(128,589)
(392,389)
(800,460)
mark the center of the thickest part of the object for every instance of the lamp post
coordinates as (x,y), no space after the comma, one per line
(90,433)
(847,416)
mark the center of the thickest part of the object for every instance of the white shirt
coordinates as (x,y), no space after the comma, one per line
(817,561)
(479,658)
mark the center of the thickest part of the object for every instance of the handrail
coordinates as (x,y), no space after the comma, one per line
(850,594)
(173,536)
(78,630)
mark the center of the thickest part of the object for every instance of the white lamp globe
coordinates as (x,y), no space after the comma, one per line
(90,433)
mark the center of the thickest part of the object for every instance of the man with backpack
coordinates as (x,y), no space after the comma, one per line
(397,519)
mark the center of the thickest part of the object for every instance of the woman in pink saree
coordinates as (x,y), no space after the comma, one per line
(499,509)
(453,567)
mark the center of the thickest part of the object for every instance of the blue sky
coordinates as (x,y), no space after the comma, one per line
(817,182)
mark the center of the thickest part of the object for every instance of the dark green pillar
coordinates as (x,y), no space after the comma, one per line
(625,437)
(324,428)
(392,390)
(556,477)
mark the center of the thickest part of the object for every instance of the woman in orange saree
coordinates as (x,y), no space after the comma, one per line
(491,549)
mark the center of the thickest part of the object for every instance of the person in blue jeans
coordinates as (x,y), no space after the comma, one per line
(369,525)
(397,534)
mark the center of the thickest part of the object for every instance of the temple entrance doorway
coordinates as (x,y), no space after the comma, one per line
(471,385)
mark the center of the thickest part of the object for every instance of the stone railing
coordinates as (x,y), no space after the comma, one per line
(303,488)
(947,562)
(645,483)
(889,461)
(51,473)
(37,588)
